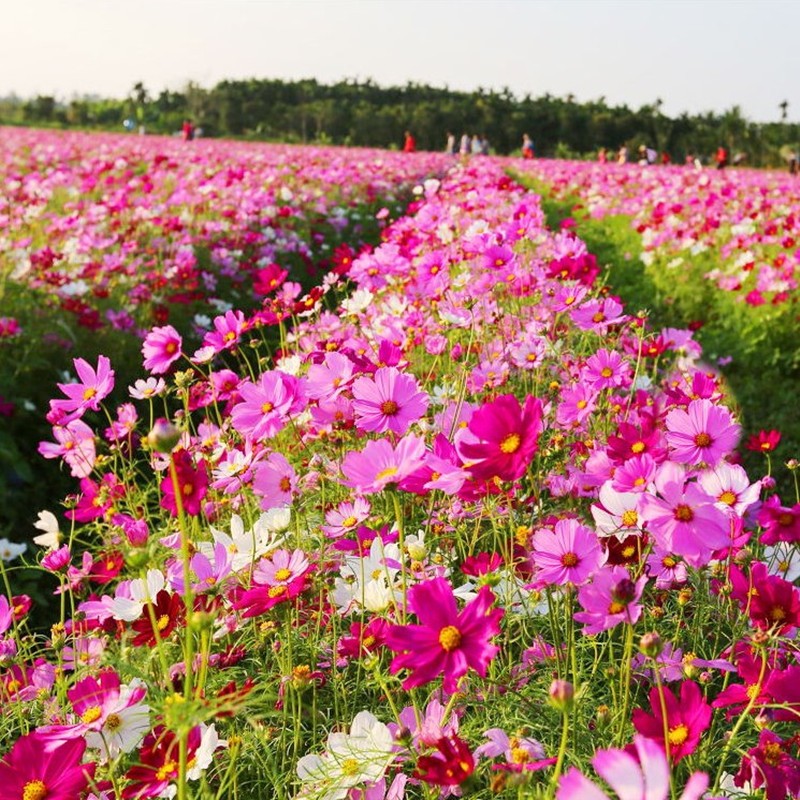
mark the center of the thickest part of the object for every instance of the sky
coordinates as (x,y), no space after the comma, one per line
(695,55)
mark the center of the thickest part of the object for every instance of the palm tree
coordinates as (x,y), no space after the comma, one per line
(783,107)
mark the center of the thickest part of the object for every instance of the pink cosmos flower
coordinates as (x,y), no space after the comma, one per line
(448,641)
(330,378)
(611,598)
(729,485)
(161,348)
(379,464)
(578,403)
(502,438)
(390,401)
(781,523)
(94,386)
(684,519)
(570,553)
(640,772)
(266,406)
(346,517)
(75,445)
(703,433)
(228,330)
(606,369)
(635,475)
(686,720)
(275,481)
(35,769)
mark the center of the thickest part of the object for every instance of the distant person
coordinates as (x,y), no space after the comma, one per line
(622,155)
(187,130)
(484,145)
(642,154)
(665,158)
(450,147)
(721,158)
(475,145)
(602,155)
(527,146)
(463,147)
(793,162)
(410,143)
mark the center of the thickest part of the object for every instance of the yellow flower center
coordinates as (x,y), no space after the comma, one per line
(34,790)
(348,522)
(267,407)
(162,622)
(629,518)
(510,443)
(669,562)
(91,715)
(166,770)
(678,735)
(389,408)
(772,753)
(386,473)
(616,607)
(606,372)
(727,497)
(638,447)
(276,591)
(350,767)
(702,440)
(89,393)
(581,404)
(449,638)
(684,513)
(283,574)
(519,755)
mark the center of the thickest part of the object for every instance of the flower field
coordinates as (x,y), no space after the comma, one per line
(433,515)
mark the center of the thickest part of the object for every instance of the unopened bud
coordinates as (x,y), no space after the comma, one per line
(562,694)
(651,644)
(164,436)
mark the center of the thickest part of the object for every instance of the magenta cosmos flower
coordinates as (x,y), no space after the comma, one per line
(703,433)
(448,641)
(161,348)
(37,769)
(389,402)
(379,464)
(570,553)
(94,386)
(686,720)
(640,772)
(504,438)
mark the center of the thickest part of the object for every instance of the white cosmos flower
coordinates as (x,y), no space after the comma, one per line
(358,757)
(51,537)
(10,550)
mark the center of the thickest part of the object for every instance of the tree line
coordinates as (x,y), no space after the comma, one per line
(362,113)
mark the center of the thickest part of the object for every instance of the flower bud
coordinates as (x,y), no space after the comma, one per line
(164,436)
(562,695)
(651,644)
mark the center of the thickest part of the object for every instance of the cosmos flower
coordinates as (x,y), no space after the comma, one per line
(448,641)
(686,720)
(703,433)
(503,438)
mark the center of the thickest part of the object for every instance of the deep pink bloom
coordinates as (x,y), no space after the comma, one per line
(379,464)
(640,772)
(686,720)
(764,441)
(228,330)
(569,553)
(275,481)
(703,433)
(780,523)
(390,401)
(606,369)
(769,764)
(37,769)
(448,641)
(451,765)
(192,483)
(502,438)
(611,598)
(161,348)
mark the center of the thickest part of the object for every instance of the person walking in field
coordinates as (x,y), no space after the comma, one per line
(463,147)
(721,158)
(410,143)
(527,146)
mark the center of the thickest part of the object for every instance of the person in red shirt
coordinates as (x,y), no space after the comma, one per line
(410,144)
(721,158)
(188,130)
